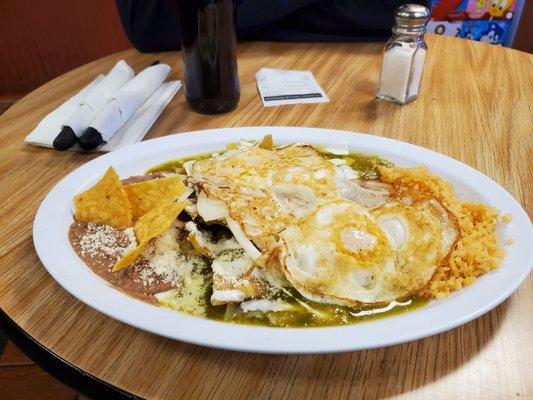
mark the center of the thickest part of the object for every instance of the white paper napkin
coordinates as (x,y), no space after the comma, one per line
(141,121)
(132,131)
(97,98)
(50,126)
(128,99)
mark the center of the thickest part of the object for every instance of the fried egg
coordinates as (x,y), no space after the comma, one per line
(344,253)
(267,190)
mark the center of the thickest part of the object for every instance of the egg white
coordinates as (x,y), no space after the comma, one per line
(346,254)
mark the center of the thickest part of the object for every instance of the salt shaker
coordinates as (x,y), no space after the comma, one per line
(404,55)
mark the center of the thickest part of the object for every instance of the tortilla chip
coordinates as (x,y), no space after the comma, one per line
(129,257)
(267,142)
(149,226)
(104,203)
(157,221)
(147,195)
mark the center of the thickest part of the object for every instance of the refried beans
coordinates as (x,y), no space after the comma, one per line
(100,246)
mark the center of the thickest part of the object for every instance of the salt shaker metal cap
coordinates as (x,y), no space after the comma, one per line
(410,18)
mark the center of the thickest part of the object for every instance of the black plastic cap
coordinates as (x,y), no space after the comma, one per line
(65,140)
(91,139)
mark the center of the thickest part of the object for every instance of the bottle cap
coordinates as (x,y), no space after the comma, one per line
(411,18)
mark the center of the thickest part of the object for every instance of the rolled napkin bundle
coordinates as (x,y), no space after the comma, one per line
(136,127)
(124,119)
(46,131)
(122,105)
(92,104)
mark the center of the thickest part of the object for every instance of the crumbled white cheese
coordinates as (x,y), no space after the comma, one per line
(105,240)
(167,261)
(231,265)
(226,296)
(130,234)
(265,305)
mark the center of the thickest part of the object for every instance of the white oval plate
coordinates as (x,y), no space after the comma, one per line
(52,245)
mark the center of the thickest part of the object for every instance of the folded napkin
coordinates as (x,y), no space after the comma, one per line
(128,99)
(143,110)
(142,120)
(97,98)
(46,131)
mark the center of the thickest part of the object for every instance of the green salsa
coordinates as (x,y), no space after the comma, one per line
(314,315)
(175,165)
(366,165)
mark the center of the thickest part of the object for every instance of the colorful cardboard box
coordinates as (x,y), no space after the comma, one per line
(492,21)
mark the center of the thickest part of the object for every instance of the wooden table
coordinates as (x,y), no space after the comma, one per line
(475,106)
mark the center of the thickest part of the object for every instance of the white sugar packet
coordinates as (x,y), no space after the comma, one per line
(281,87)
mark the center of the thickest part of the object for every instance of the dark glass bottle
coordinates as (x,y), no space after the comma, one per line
(208,40)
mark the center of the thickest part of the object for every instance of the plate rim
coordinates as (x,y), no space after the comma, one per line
(273,343)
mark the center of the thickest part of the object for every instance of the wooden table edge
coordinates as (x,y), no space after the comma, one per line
(72,376)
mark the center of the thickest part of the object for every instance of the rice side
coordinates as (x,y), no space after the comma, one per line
(476,252)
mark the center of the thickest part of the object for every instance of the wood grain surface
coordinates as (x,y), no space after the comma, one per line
(475,106)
